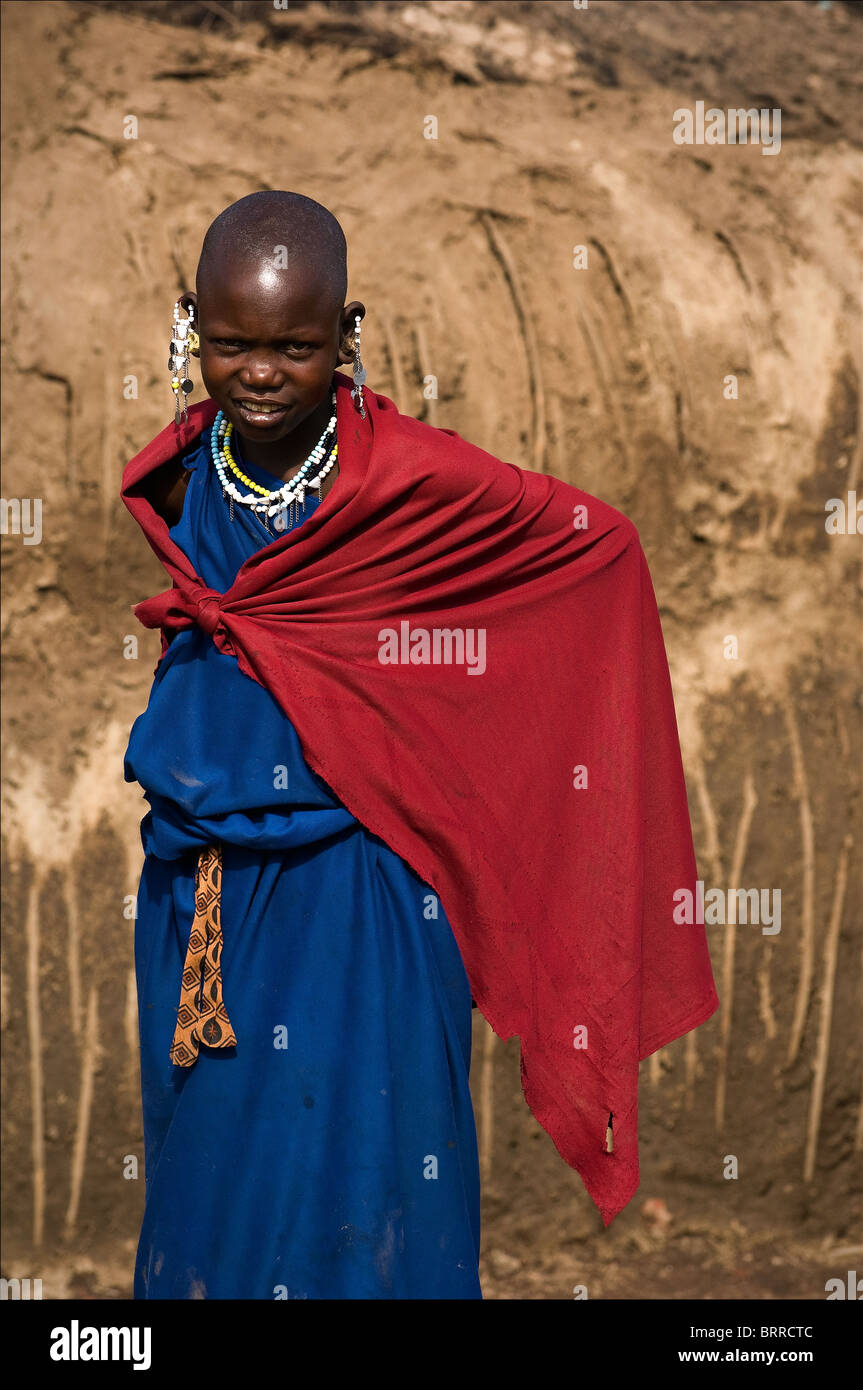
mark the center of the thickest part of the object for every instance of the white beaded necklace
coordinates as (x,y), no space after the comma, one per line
(291,494)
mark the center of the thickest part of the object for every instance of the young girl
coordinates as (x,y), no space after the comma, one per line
(349,837)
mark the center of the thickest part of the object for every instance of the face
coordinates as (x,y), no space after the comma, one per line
(269,344)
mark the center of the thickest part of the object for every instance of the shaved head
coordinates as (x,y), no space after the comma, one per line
(281,229)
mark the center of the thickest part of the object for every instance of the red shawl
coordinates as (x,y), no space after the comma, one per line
(558,883)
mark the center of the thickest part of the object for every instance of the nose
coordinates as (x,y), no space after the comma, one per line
(261,368)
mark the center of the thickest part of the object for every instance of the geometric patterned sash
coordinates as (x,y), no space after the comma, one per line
(202,1016)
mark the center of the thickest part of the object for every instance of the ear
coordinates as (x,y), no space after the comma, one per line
(347,341)
(188,299)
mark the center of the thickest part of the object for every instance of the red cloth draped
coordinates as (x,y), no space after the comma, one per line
(560,894)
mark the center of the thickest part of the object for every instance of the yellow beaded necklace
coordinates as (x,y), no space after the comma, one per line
(235,469)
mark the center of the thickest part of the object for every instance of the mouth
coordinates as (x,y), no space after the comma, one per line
(258,413)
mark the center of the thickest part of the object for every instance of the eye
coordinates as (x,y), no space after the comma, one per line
(228,344)
(297,347)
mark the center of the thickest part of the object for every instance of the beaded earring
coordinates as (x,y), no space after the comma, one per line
(360,372)
(184,340)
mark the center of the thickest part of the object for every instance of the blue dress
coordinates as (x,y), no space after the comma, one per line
(332,1153)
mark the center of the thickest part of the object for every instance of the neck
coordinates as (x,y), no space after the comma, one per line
(283,457)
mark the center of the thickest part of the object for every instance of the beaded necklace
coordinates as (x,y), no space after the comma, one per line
(282,502)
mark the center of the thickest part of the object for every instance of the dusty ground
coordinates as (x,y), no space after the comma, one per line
(554,130)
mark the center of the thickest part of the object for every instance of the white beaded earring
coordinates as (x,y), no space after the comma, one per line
(360,372)
(183,341)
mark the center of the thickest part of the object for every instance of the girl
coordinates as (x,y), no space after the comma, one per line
(348,836)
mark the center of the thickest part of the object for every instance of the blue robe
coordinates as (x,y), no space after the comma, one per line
(332,1153)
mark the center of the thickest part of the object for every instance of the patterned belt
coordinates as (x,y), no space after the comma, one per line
(202,1016)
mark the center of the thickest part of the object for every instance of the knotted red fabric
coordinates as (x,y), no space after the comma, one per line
(472,657)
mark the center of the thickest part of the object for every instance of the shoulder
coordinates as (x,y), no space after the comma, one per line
(169,445)
(443,462)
